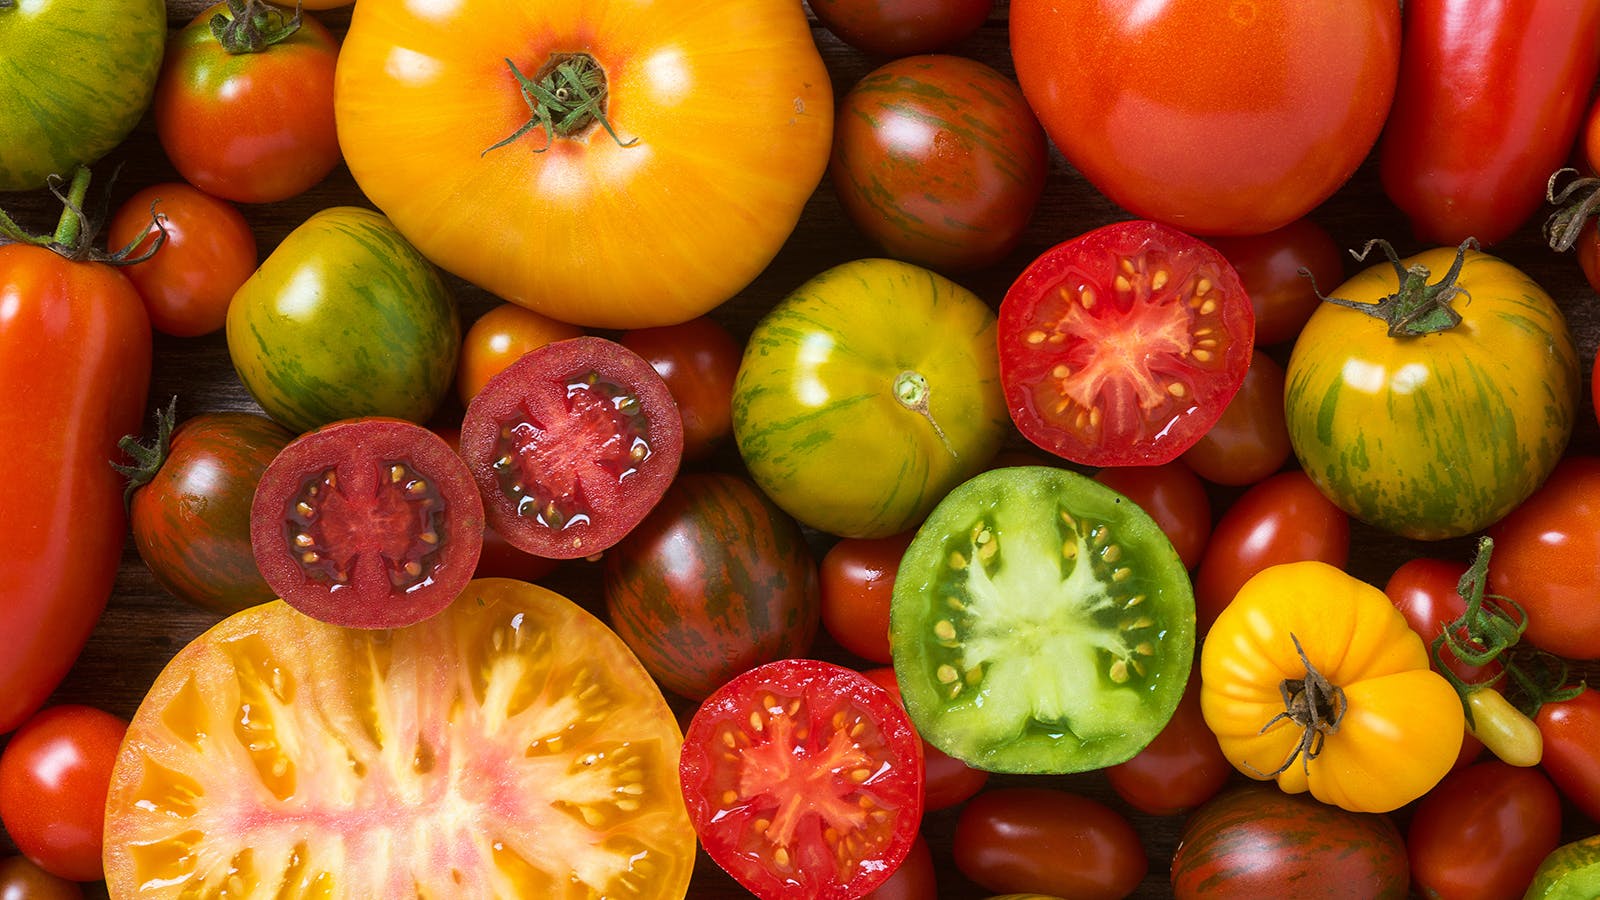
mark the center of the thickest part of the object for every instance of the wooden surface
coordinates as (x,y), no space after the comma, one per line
(143,626)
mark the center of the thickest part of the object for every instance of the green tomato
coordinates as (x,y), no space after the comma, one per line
(75,76)
(1041,622)
(1570,872)
(867,394)
(344,319)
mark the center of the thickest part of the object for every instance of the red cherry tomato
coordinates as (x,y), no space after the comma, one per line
(1270,266)
(1547,558)
(946,781)
(1180,769)
(54,777)
(1251,439)
(699,361)
(1046,841)
(916,879)
(208,252)
(857,576)
(498,338)
(20,879)
(901,27)
(1424,590)
(1174,497)
(1571,732)
(1481,833)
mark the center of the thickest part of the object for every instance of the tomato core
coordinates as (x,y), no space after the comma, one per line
(565,97)
(394,522)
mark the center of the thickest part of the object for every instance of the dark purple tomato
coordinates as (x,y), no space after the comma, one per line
(1046,841)
(901,27)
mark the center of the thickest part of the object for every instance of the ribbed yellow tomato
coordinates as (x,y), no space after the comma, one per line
(659,153)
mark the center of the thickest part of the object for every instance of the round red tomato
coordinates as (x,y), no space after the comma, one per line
(823,798)
(1174,497)
(249,117)
(208,252)
(1122,346)
(1273,268)
(1047,841)
(1181,768)
(1424,590)
(1481,833)
(1251,439)
(699,361)
(946,781)
(1219,119)
(54,775)
(901,27)
(1547,558)
(939,160)
(1571,733)
(857,576)
(916,878)
(498,338)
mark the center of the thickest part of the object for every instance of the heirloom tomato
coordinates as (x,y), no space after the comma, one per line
(1547,559)
(612,163)
(857,580)
(1040,839)
(498,338)
(1250,441)
(866,394)
(1122,346)
(1431,409)
(1313,678)
(939,161)
(78,75)
(1181,768)
(1174,497)
(915,879)
(344,319)
(1425,590)
(208,252)
(1570,872)
(1280,270)
(54,775)
(1041,622)
(699,361)
(946,781)
(510,746)
(901,27)
(1571,731)
(1217,120)
(1482,833)
(21,879)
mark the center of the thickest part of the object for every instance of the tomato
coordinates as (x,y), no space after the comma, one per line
(78,76)
(74,368)
(714,581)
(54,774)
(190,506)
(244,109)
(20,879)
(1483,832)
(367,523)
(1257,841)
(699,361)
(1547,559)
(1425,592)
(1570,872)
(1571,732)
(707,131)
(1313,678)
(1122,346)
(824,797)
(1504,729)
(1181,768)
(498,338)
(1439,436)
(857,580)
(461,756)
(939,161)
(946,781)
(572,446)
(1250,441)
(1174,497)
(915,879)
(902,27)
(1039,839)
(879,368)
(208,252)
(1217,124)
(499,558)
(1281,270)
(1040,623)
(1283,519)
(344,319)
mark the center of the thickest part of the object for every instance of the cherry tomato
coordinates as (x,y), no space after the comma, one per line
(1424,590)
(857,582)
(1270,266)
(20,879)
(1571,730)
(946,781)
(54,776)
(1482,832)
(901,27)
(914,880)
(1547,558)
(699,361)
(498,338)
(1050,842)
(1180,769)
(1174,497)
(1251,440)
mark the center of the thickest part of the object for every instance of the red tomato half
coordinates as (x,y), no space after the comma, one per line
(1547,558)
(498,338)
(1124,345)
(208,252)
(1482,831)
(54,776)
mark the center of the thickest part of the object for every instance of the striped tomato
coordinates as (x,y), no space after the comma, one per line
(1427,417)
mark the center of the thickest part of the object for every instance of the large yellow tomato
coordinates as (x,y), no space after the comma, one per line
(659,153)
(1313,677)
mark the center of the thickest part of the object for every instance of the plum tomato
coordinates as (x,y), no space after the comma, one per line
(208,252)
(699,361)
(510,746)
(1174,497)
(823,797)
(1040,623)
(1181,768)
(1424,589)
(857,580)
(1571,731)
(901,27)
(1281,271)
(1547,558)
(1482,832)
(1048,841)
(572,445)
(498,338)
(54,775)
(915,879)
(367,523)
(1122,346)
(1251,439)
(946,781)
(21,879)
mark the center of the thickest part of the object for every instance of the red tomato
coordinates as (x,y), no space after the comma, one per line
(498,558)
(857,582)
(946,781)
(1046,841)
(1424,590)
(1174,497)
(1571,731)
(1481,833)
(914,880)
(901,27)
(20,879)
(1251,439)
(254,127)
(54,776)
(1122,346)
(1180,769)
(1283,519)
(1269,266)
(1508,83)
(699,361)
(1547,558)
(1218,123)
(208,252)
(498,338)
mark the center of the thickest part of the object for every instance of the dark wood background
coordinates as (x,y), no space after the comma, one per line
(143,626)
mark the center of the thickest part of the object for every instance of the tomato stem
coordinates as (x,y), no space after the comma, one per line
(565,98)
(147,458)
(1416,307)
(911,388)
(250,26)
(1579,200)
(1315,704)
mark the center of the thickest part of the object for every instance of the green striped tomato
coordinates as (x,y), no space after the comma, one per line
(1570,872)
(1434,435)
(75,76)
(344,320)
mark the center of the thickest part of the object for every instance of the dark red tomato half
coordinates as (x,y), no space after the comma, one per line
(1481,832)
(1424,590)
(367,523)
(1046,841)
(1181,768)
(699,361)
(498,558)
(1124,345)
(803,779)
(1274,269)
(901,27)
(946,781)
(572,445)
(857,577)
(54,777)
(1571,733)
(1174,497)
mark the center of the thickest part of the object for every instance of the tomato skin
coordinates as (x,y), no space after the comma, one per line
(1424,590)
(54,775)
(498,338)
(84,325)
(1269,266)
(1547,558)
(915,879)
(1049,841)
(901,27)
(699,361)
(1571,730)
(1181,768)
(1510,815)
(946,781)
(1174,497)
(857,581)
(20,879)
(249,127)
(1221,148)
(1250,441)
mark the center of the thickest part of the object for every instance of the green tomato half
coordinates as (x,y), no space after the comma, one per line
(868,393)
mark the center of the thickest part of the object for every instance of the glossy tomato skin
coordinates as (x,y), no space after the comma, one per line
(902,27)
(946,781)
(1181,768)
(716,580)
(20,879)
(1512,815)
(498,338)
(1174,497)
(1250,441)
(857,581)
(54,775)
(1269,266)
(1571,732)
(1425,591)
(939,160)
(75,359)
(1511,115)
(1547,558)
(1287,104)
(699,361)
(252,127)
(1048,841)
(915,879)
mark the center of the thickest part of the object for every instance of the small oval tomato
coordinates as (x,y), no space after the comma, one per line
(1250,441)
(1571,732)
(208,252)
(1482,833)
(901,27)
(1547,559)
(1181,768)
(20,879)
(699,361)
(1273,268)
(1048,841)
(857,577)
(1425,591)
(54,775)
(915,879)
(946,781)
(1174,497)
(498,338)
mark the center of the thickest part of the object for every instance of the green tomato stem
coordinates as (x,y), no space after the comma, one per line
(70,227)
(1579,200)
(147,458)
(250,26)
(565,98)
(1417,307)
